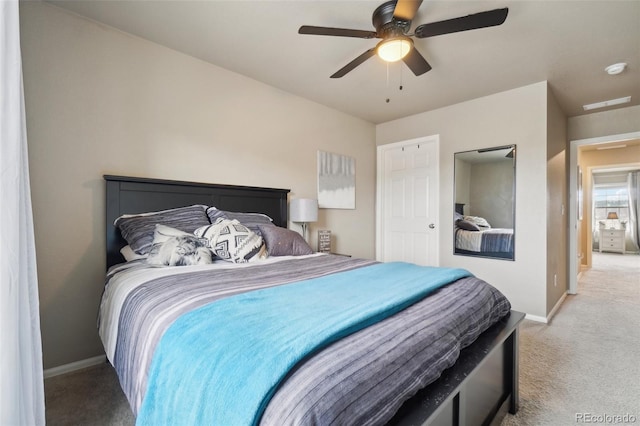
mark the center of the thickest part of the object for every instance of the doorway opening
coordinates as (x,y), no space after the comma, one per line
(576,193)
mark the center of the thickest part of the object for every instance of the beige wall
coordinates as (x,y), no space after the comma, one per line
(518,117)
(100,101)
(557,198)
(491,192)
(606,123)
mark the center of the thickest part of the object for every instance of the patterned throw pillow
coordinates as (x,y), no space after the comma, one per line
(232,241)
(183,250)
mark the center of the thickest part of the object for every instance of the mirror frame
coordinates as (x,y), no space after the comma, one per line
(458,207)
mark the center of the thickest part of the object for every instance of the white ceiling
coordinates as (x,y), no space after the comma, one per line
(568,43)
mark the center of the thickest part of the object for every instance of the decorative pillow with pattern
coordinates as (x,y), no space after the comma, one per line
(232,241)
(182,250)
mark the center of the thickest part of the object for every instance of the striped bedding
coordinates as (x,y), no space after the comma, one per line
(497,240)
(361,379)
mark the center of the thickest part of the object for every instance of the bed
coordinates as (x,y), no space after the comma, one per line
(475,382)
(474,236)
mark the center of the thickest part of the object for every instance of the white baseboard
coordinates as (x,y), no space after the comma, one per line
(74,366)
(551,314)
(556,307)
(535,318)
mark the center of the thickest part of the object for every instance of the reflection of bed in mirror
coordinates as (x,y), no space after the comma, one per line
(473,239)
(485,203)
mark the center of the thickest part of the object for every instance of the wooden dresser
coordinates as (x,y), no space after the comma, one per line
(612,240)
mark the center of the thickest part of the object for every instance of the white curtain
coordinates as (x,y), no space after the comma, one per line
(634,206)
(21,381)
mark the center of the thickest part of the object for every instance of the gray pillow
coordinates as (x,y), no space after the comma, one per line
(250,220)
(480,221)
(138,229)
(465,224)
(283,241)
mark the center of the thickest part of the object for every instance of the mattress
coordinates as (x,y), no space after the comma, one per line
(362,378)
(498,240)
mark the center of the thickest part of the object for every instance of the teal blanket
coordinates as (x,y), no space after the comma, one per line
(220,364)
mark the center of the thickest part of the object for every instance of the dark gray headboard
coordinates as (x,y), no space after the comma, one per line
(129,195)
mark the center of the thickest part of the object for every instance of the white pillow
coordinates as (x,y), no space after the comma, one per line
(129,255)
(162,233)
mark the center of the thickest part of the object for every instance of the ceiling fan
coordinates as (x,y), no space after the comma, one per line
(392,21)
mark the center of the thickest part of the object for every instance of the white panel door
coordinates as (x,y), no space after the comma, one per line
(408,189)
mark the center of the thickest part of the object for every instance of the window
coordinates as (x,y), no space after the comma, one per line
(610,198)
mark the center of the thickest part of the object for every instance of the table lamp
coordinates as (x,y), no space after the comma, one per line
(303,211)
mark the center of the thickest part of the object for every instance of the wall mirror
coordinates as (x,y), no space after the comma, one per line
(485,202)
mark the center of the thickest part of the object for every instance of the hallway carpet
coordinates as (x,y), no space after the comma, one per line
(586,362)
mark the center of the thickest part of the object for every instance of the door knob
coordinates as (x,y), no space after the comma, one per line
(432,226)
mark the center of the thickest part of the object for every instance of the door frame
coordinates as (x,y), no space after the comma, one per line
(573,198)
(380,175)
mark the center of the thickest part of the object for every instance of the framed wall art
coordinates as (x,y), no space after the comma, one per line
(336,181)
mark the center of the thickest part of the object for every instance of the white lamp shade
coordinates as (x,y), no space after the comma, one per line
(303,210)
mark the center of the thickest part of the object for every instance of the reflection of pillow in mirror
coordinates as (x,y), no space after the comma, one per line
(480,221)
(464,224)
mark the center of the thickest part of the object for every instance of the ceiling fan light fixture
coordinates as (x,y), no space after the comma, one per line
(395,48)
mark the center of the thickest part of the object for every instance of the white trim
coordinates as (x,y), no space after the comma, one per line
(74,366)
(547,320)
(536,318)
(556,307)
(573,205)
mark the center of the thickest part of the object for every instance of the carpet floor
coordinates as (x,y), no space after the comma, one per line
(581,366)
(585,362)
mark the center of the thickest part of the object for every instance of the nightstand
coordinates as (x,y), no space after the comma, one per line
(612,240)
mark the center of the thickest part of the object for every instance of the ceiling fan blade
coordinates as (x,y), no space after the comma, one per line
(489,18)
(338,32)
(416,62)
(406,9)
(357,61)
